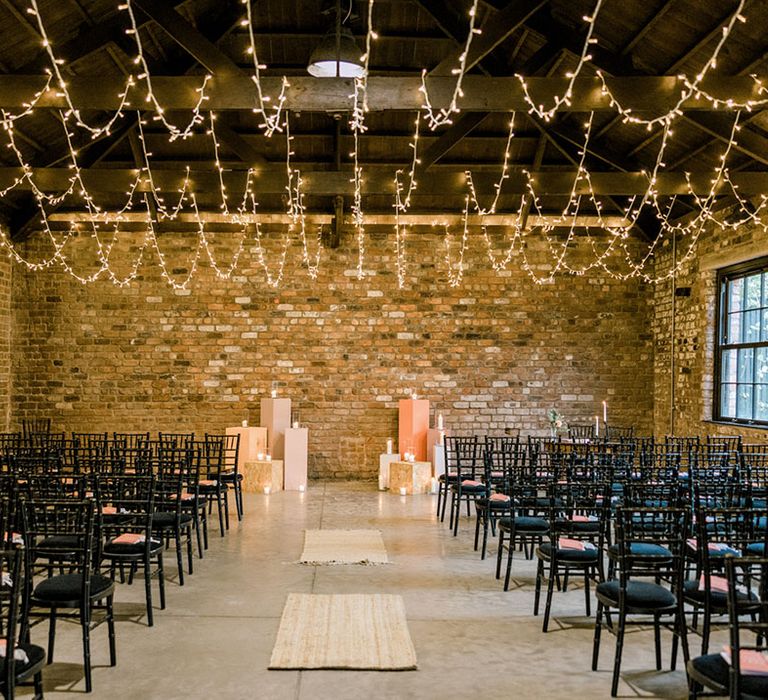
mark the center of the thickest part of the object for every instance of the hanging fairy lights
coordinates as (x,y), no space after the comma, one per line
(612,244)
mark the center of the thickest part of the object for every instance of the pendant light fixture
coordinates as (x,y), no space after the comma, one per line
(337,55)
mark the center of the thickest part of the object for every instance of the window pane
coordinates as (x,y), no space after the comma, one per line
(735,293)
(746,365)
(762,402)
(761,365)
(753,295)
(764,328)
(728,401)
(751,328)
(728,369)
(744,401)
(735,323)
(765,289)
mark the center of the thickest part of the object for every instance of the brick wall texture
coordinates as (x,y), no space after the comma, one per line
(694,329)
(492,354)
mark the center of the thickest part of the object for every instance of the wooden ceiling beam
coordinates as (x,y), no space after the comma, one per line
(305,93)
(497,27)
(379,180)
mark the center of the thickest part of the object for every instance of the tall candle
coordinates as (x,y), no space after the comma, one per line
(439,421)
(295,424)
(274,393)
(597,426)
(389,446)
(605,412)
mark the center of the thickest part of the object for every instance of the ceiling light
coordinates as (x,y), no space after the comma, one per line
(337,56)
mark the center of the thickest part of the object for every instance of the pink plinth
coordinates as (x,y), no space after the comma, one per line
(276,418)
(252,442)
(413,424)
(296,441)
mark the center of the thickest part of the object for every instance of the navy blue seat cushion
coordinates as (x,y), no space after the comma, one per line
(525,524)
(494,503)
(643,549)
(162,520)
(718,599)
(756,548)
(587,556)
(640,594)
(68,587)
(35,656)
(715,667)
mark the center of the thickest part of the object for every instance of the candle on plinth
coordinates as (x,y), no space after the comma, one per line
(389,446)
(260,456)
(597,427)
(605,412)
(403,491)
(274,393)
(295,424)
(302,488)
(439,421)
(267,490)
(245,423)
(268,457)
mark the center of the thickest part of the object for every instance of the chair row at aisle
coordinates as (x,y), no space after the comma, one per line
(70,534)
(652,537)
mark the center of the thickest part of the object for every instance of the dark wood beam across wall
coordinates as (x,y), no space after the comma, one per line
(641,94)
(380,181)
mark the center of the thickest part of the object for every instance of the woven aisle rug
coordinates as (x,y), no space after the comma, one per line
(329,547)
(348,632)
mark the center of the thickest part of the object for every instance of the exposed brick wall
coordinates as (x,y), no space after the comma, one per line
(6,273)
(694,333)
(492,354)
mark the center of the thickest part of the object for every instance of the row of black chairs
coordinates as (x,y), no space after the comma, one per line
(651,537)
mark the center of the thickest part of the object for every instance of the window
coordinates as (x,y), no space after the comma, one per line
(741,360)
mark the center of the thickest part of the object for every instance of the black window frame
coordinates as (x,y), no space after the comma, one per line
(724,277)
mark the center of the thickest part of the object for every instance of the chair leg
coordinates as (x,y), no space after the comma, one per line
(586,594)
(499,553)
(199,535)
(596,640)
(38,684)
(148,591)
(477,528)
(439,497)
(86,628)
(657,639)
(619,648)
(509,564)
(550,591)
(51,633)
(221,513)
(445,501)
(111,631)
(188,532)
(161,578)
(179,560)
(537,591)
(485,537)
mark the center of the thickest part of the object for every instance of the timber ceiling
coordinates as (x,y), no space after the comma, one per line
(534,38)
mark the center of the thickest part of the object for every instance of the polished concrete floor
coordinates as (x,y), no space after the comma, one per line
(472,639)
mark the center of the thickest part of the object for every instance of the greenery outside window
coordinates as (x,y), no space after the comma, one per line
(741,358)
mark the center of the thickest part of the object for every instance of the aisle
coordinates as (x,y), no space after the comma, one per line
(215,638)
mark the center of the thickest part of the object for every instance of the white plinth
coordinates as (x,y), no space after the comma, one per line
(434,437)
(384,461)
(296,450)
(276,418)
(438,460)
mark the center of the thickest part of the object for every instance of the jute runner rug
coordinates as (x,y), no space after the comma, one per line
(328,547)
(358,632)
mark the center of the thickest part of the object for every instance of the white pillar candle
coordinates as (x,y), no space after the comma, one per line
(267,490)
(260,456)
(268,457)
(295,424)
(605,412)
(439,421)
(274,393)
(389,446)
(597,427)
(301,488)
(403,491)
(245,423)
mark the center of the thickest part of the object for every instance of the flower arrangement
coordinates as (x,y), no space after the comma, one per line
(557,423)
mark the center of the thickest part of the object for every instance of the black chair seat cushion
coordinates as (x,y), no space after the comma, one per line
(718,599)
(495,504)
(60,543)
(756,548)
(525,524)
(715,667)
(471,489)
(642,550)
(165,520)
(35,657)
(578,556)
(68,587)
(231,476)
(212,488)
(114,549)
(585,526)
(640,594)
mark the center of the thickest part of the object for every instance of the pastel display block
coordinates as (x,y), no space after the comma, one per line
(414,477)
(438,461)
(412,427)
(433,439)
(385,459)
(276,418)
(252,442)
(296,451)
(259,474)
